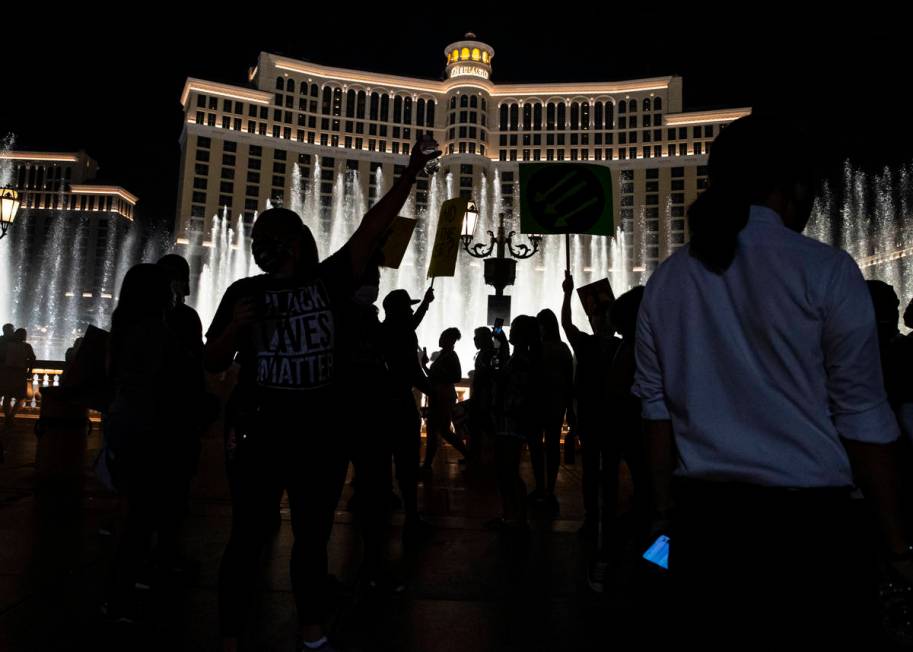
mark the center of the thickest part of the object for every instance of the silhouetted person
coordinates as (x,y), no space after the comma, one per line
(519,416)
(366,382)
(625,442)
(402,357)
(557,372)
(285,413)
(185,324)
(17,366)
(758,370)
(444,373)
(9,332)
(71,352)
(483,377)
(183,320)
(146,427)
(593,354)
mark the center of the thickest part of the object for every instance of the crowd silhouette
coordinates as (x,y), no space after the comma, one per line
(753,391)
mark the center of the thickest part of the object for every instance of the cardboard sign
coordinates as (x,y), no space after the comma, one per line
(447,238)
(596,297)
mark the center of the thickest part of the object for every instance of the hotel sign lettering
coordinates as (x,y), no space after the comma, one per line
(473,71)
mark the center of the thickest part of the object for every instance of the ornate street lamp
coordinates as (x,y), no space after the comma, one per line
(9,207)
(500,271)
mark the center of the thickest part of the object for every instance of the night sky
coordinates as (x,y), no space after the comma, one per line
(81,81)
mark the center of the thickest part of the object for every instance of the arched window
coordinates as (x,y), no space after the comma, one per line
(584,115)
(503,121)
(609,115)
(597,115)
(473,102)
(464,101)
(575,115)
(314,90)
(550,115)
(562,115)
(484,104)
(290,85)
(360,105)
(464,54)
(657,104)
(280,83)
(646,104)
(337,102)
(527,116)
(622,107)
(537,116)
(476,54)
(453,102)
(397,109)
(327,103)
(429,113)
(350,104)
(514,116)
(420,112)
(407,111)
(632,106)
(374,106)
(384,108)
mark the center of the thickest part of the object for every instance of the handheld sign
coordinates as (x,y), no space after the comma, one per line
(566,198)
(596,297)
(447,238)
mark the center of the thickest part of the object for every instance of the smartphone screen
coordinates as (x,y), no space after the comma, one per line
(658,553)
(499,324)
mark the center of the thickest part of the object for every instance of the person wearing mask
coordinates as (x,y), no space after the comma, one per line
(284,328)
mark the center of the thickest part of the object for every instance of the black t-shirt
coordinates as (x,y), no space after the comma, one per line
(292,347)
(594,355)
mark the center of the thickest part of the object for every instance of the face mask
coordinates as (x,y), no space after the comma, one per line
(367,295)
(270,255)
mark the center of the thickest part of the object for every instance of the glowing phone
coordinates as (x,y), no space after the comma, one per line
(499,325)
(658,553)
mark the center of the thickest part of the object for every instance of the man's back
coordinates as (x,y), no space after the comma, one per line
(762,366)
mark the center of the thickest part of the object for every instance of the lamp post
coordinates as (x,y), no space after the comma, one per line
(9,207)
(500,271)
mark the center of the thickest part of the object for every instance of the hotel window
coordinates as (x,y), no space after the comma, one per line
(253,177)
(550,115)
(682,133)
(199,183)
(213,103)
(252,111)
(252,191)
(657,104)
(350,104)
(562,111)
(337,102)
(407,111)
(275,131)
(201,101)
(708,131)
(326,101)
(289,101)
(514,117)
(201,168)
(237,124)
(228,173)
(226,122)
(550,155)
(203,155)
(211,119)
(226,187)
(623,123)
(397,109)
(200,117)
(527,116)
(632,122)
(697,149)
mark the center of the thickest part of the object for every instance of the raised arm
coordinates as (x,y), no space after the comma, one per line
(570,330)
(378,219)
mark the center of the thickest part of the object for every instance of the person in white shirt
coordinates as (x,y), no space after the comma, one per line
(759,375)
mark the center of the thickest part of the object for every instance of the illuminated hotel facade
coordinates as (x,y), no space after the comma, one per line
(65,240)
(241,143)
